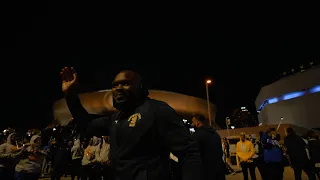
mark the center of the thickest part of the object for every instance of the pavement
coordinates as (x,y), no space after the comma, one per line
(288,175)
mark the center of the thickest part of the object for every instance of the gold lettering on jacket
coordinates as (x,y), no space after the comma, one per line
(133,119)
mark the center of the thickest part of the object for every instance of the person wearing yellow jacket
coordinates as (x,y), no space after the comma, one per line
(245,152)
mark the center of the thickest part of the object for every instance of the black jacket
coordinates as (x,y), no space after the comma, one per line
(211,151)
(140,151)
(314,149)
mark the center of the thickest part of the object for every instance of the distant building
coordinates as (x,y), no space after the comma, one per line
(100,103)
(243,117)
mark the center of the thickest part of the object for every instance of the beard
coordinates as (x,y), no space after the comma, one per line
(121,102)
(120,105)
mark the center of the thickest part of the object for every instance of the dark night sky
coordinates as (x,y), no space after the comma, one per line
(240,61)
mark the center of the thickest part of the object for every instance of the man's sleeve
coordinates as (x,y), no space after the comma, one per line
(178,140)
(5,156)
(11,155)
(238,151)
(87,122)
(285,142)
(197,137)
(277,137)
(251,150)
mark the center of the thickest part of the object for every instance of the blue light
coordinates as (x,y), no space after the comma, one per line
(273,100)
(262,105)
(293,95)
(315,89)
(288,96)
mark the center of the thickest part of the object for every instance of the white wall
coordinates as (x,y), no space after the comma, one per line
(303,111)
(298,82)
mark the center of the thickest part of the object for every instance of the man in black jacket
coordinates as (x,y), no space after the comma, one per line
(296,150)
(142,133)
(210,147)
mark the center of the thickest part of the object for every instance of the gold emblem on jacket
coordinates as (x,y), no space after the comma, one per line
(133,119)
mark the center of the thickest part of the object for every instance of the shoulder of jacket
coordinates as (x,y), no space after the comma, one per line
(154,102)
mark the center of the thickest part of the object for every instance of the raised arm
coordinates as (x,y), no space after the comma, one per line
(94,123)
(69,79)
(11,155)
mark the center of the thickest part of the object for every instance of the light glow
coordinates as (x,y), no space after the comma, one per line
(289,96)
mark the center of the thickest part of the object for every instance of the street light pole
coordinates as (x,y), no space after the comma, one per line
(208,102)
(227,124)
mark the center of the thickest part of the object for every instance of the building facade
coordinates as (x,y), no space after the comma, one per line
(294,99)
(100,102)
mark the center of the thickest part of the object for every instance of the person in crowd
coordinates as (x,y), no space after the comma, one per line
(105,158)
(255,157)
(77,155)
(29,167)
(90,160)
(260,160)
(142,132)
(62,157)
(52,153)
(272,156)
(2,138)
(46,161)
(9,157)
(245,152)
(227,160)
(210,146)
(174,164)
(296,150)
(314,150)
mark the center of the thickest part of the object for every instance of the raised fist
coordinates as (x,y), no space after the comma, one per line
(69,79)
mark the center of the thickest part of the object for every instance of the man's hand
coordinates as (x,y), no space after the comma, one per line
(69,79)
(24,148)
(244,160)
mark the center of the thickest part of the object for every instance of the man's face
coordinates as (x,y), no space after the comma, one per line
(13,139)
(243,137)
(37,142)
(124,89)
(194,122)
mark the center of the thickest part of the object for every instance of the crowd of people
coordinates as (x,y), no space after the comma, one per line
(29,157)
(269,156)
(142,135)
(144,140)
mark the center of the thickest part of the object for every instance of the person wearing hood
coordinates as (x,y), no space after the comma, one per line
(245,152)
(9,153)
(77,154)
(105,158)
(210,147)
(29,167)
(91,157)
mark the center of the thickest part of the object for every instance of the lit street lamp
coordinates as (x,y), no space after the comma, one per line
(233,127)
(207,90)
(228,122)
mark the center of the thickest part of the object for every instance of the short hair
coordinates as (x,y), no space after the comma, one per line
(311,134)
(290,131)
(201,118)
(140,83)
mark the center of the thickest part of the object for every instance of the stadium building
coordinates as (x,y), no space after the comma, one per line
(295,99)
(100,103)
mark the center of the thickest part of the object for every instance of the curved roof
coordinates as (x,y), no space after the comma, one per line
(100,102)
(299,82)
